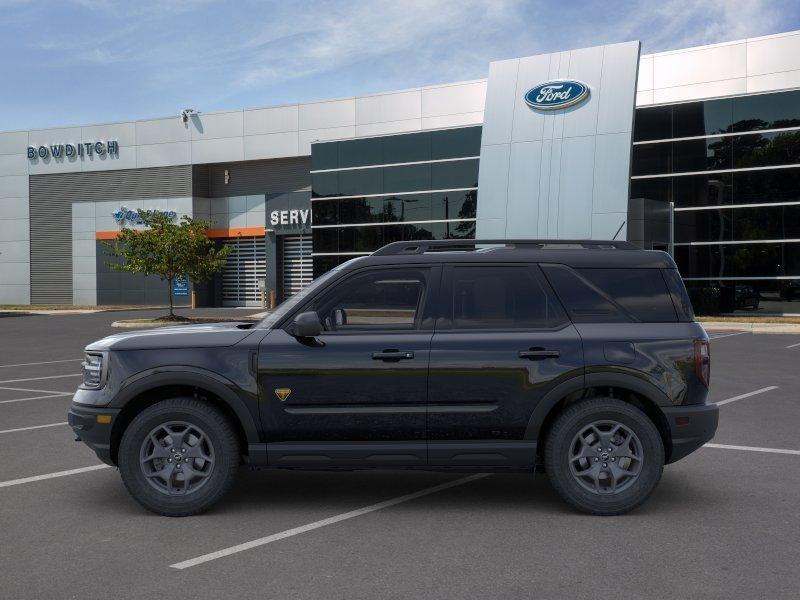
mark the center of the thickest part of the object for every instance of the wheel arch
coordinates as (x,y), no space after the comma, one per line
(640,393)
(150,388)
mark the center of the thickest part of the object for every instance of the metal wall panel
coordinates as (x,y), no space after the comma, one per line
(51,199)
(260,177)
(548,173)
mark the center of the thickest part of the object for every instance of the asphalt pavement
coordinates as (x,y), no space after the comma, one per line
(723,523)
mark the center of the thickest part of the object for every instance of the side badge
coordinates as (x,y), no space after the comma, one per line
(282,393)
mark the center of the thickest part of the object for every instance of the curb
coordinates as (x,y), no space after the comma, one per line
(129,324)
(144,325)
(751,327)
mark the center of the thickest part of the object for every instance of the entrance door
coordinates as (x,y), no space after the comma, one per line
(297,264)
(357,394)
(502,343)
(246,264)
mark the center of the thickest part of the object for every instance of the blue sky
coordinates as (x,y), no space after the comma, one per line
(66,62)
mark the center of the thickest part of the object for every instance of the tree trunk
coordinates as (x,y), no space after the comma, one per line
(171,312)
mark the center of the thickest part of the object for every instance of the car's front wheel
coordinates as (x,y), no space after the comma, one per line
(179,457)
(603,456)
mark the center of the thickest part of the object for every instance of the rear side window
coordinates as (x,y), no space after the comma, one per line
(501,297)
(613,295)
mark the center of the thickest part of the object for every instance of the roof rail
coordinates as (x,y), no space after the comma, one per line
(423,246)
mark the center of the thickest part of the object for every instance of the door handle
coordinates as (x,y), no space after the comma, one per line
(538,354)
(393,355)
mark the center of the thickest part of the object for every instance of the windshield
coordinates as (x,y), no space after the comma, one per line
(292,302)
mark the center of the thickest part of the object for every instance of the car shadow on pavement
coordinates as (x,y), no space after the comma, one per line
(337,492)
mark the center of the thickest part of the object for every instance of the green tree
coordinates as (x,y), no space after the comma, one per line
(168,249)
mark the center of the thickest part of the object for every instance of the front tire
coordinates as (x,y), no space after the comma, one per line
(179,457)
(603,456)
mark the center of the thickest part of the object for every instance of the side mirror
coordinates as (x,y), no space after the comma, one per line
(306,325)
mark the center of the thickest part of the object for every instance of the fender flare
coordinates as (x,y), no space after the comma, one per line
(194,377)
(610,378)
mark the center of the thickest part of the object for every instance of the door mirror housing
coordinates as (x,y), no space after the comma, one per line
(306,325)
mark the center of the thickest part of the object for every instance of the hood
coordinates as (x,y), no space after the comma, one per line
(211,335)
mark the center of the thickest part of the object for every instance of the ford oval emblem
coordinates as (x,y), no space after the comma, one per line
(556,94)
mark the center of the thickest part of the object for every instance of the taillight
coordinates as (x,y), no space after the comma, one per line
(702,361)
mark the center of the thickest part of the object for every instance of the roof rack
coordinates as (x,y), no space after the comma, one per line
(423,246)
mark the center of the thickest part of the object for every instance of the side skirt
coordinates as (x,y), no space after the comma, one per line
(439,454)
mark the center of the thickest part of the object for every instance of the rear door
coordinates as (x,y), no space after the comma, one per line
(357,394)
(502,342)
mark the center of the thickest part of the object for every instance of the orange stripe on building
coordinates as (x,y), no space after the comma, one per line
(236,232)
(212,233)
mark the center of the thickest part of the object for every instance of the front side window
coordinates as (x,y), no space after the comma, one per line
(501,297)
(386,299)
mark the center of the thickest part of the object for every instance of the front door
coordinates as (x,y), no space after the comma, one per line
(502,342)
(357,394)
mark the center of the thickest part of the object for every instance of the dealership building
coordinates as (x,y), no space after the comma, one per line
(694,151)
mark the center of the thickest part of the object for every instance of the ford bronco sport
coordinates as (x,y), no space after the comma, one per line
(579,358)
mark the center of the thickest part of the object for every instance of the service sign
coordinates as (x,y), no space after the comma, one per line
(290,218)
(556,94)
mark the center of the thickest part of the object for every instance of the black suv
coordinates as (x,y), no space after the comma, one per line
(579,358)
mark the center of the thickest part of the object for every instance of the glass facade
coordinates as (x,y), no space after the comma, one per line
(732,169)
(372,191)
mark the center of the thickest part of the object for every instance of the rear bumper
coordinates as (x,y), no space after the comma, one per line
(83,420)
(690,427)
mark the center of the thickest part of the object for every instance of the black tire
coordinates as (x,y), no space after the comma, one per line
(560,444)
(222,468)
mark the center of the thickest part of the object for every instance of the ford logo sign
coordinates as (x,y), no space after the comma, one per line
(556,94)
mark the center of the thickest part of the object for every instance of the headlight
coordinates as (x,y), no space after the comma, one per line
(93,371)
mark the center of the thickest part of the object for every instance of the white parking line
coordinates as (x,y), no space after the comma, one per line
(32,427)
(37,378)
(792,346)
(58,395)
(19,389)
(724,335)
(192,562)
(753,449)
(51,475)
(46,362)
(747,395)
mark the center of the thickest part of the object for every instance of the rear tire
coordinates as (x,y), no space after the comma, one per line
(603,456)
(179,457)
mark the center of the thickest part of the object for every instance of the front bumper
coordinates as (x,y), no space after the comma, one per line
(93,432)
(690,427)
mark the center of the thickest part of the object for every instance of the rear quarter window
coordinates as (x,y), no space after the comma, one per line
(613,295)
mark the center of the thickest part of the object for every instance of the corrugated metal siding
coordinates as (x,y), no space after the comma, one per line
(260,177)
(200,181)
(51,198)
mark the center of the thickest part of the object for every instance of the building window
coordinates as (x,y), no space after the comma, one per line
(373,191)
(731,167)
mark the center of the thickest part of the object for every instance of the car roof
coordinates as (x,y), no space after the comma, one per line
(573,253)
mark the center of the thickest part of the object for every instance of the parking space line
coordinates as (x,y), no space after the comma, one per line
(193,562)
(58,395)
(793,346)
(724,335)
(11,482)
(46,362)
(33,427)
(19,389)
(38,378)
(753,449)
(747,395)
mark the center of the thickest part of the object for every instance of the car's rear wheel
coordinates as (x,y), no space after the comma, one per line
(179,457)
(603,456)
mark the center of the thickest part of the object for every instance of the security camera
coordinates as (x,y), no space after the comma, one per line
(185,113)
